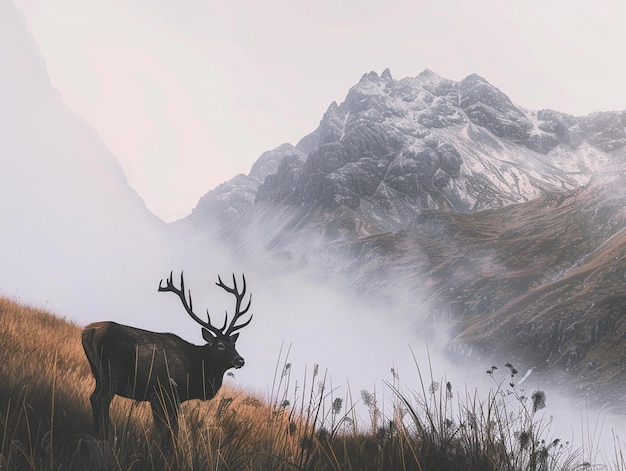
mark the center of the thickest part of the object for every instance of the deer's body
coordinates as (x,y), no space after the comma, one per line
(161,368)
(117,350)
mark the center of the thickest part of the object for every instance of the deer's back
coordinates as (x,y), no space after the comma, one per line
(135,360)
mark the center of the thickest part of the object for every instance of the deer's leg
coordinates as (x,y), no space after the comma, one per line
(100,403)
(165,409)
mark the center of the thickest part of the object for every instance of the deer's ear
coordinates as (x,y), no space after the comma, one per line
(206,335)
(234,337)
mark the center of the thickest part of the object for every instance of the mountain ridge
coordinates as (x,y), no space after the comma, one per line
(444,202)
(427,142)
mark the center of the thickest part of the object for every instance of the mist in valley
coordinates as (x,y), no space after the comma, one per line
(310,330)
(78,241)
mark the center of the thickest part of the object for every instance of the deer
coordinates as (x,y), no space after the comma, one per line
(162,368)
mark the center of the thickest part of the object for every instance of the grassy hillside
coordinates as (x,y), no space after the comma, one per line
(45,420)
(539,283)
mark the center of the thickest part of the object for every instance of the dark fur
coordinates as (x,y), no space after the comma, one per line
(160,368)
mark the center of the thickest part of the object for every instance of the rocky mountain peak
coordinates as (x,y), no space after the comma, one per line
(430,80)
(394,148)
(269,161)
(386,75)
(427,74)
(369,77)
(485,105)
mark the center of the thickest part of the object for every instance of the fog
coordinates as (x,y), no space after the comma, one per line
(78,241)
(317,324)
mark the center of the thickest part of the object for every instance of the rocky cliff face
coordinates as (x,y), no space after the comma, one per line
(394,148)
(230,200)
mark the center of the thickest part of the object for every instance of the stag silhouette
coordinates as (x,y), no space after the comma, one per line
(161,368)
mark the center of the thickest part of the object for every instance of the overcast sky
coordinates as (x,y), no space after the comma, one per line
(188,93)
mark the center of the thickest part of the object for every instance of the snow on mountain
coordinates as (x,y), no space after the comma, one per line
(394,148)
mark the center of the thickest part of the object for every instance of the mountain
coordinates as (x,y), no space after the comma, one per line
(439,203)
(445,203)
(231,199)
(394,148)
(76,238)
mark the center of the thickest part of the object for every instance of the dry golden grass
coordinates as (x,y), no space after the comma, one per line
(45,421)
(45,415)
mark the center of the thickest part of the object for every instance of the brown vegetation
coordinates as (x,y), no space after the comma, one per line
(45,420)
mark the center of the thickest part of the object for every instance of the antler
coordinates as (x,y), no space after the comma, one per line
(239,295)
(189,305)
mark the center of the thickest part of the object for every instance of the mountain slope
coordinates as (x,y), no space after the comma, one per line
(539,284)
(75,237)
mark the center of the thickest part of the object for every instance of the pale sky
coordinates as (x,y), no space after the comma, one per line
(188,93)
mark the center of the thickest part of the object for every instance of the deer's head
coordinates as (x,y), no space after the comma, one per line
(220,351)
(220,342)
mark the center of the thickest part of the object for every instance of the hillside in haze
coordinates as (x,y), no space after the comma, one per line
(497,229)
(541,283)
(78,241)
(75,237)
